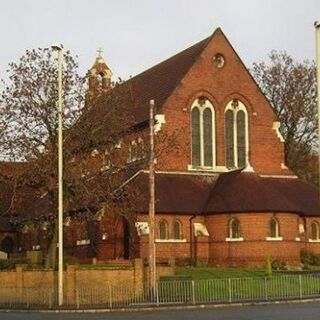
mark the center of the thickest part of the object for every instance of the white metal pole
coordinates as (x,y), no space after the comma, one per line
(317,26)
(60,176)
(152,253)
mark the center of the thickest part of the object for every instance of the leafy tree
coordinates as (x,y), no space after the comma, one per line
(290,86)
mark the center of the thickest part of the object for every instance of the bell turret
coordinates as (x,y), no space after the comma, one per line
(99,77)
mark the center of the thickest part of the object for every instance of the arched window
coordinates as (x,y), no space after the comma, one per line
(315,231)
(202,134)
(207,138)
(140,149)
(229,139)
(100,80)
(236,135)
(241,138)
(133,151)
(106,161)
(163,230)
(177,234)
(195,129)
(274,228)
(234,229)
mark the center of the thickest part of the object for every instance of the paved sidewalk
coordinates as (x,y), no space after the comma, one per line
(302,311)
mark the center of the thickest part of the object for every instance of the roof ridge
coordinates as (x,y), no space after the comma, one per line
(173,56)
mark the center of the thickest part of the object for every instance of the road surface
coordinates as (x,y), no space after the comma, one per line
(303,311)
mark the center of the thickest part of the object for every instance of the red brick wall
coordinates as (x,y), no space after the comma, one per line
(253,250)
(221,86)
(172,249)
(311,246)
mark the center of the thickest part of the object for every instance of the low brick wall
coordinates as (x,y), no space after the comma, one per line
(86,280)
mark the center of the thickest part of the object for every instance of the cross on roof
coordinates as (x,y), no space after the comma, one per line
(99,51)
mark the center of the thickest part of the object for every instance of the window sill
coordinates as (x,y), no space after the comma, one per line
(315,241)
(274,238)
(234,239)
(82,242)
(248,168)
(202,168)
(171,240)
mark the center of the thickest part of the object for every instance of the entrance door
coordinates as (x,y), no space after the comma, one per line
(126,239)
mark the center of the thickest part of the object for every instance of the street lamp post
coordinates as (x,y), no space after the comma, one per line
(58,48)
(317,26)
(152,251)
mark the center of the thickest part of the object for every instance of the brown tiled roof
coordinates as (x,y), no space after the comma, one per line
(22,203)
(248,192)
(155,83)
(233,192)
(177,193)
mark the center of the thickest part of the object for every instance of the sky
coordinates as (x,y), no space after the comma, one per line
(136,34)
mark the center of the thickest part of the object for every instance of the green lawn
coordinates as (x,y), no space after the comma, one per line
(220,273)
(236,284)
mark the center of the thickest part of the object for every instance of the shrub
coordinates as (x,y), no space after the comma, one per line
(316,260)
(310,259)
(278,264)
(5,264)
(186,262)
(306,257)
(268,267)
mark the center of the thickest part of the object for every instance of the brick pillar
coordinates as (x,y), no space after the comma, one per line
(71,285)
(138,276)
(19,280)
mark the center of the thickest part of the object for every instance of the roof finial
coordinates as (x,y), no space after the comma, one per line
(100,51)
(99,58)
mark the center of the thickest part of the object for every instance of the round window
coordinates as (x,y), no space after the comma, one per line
(218,60)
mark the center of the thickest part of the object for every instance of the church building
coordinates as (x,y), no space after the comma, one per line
(224,195)
(223,192)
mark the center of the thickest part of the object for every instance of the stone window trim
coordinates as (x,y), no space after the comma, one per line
(234,239)
(133,151)
(106,161)
(274,238)
(83,242)
(202,104)
(171,240)
(163,230)
(136,150)
(315,232)
(274,227)
(236,106)
(234,230)
(177,230)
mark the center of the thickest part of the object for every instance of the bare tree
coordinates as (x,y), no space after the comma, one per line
(290,86)
(28,122)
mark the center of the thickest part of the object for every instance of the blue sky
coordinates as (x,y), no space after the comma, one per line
(135,34)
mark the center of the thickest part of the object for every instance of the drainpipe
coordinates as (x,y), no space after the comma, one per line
(192,236)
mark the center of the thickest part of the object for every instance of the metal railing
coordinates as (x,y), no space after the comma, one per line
(167,292)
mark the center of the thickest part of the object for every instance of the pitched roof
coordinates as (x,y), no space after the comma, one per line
(176,193)
(155,83)
(232,192)
(247,192)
